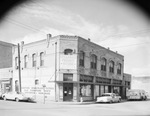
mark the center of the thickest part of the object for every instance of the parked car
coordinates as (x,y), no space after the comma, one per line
(109,97)
(17,96)
(0,94)
(136,94)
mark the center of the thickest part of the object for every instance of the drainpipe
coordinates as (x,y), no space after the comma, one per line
(19,66)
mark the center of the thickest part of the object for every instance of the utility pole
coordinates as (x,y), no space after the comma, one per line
(19,67)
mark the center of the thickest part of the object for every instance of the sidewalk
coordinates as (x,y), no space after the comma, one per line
(72,103)
(67,103)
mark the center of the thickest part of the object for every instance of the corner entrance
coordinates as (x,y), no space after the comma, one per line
(67,91)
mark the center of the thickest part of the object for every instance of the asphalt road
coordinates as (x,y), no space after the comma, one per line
(12,108)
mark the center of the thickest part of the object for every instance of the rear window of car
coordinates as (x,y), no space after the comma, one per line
(105,94)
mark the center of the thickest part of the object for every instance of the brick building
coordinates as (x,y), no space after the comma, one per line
(67,68)
(5,66)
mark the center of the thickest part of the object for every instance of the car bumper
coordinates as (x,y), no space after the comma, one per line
(103,100)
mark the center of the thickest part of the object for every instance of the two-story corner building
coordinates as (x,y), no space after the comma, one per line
(5,66)
(66,68)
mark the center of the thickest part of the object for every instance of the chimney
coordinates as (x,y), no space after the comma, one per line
(48,37)
(89,39)
(22,43)
(108,48)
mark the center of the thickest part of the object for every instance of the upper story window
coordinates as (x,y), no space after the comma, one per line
(42,59)
(111,67)
(119,68)
(93,61)
(36,82)
(33,60)
(16,62)
(68,51)
(81,58)
(25,61)
(103,64)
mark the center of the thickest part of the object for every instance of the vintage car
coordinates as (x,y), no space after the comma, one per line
(0,94)
(17,96)
(108,97)
(136,94)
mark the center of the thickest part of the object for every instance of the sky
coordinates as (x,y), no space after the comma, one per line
(110,23)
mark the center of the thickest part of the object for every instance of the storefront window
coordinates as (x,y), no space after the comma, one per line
(97,90)
(116,90)
(106,89)
(102,90)
(85,90)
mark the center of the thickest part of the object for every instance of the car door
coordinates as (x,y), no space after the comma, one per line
(117,97)
(9,95)
(114,98)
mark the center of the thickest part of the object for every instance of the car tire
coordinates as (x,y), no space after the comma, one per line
(4,98)
(145,98)
(110,101)
(17,99)
(119,100)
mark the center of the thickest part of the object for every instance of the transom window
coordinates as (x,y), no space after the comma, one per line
(68,51)
(67,77)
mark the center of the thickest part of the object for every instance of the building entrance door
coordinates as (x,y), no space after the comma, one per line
(67,91)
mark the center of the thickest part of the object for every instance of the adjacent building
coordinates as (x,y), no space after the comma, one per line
(5,66)
(68,68)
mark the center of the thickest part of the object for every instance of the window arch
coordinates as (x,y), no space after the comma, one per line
(103,64)
(42,59)
(119,68)
(25,61)
(93,61)
(111,66)
(81,58)
(68,51)
(33,60)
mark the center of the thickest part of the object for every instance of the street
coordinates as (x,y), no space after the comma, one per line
(12,108)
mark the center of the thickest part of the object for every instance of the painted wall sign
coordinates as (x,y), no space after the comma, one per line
(37,90)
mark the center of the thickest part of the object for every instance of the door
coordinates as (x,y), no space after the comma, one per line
(67,91)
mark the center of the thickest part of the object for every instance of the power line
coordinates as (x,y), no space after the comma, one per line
(23,25)
(128,33)
(131,45)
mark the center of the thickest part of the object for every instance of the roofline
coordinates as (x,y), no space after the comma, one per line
(59,36)
(100,46)
(6,43)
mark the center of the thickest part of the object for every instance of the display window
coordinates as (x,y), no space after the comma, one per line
(85,90)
